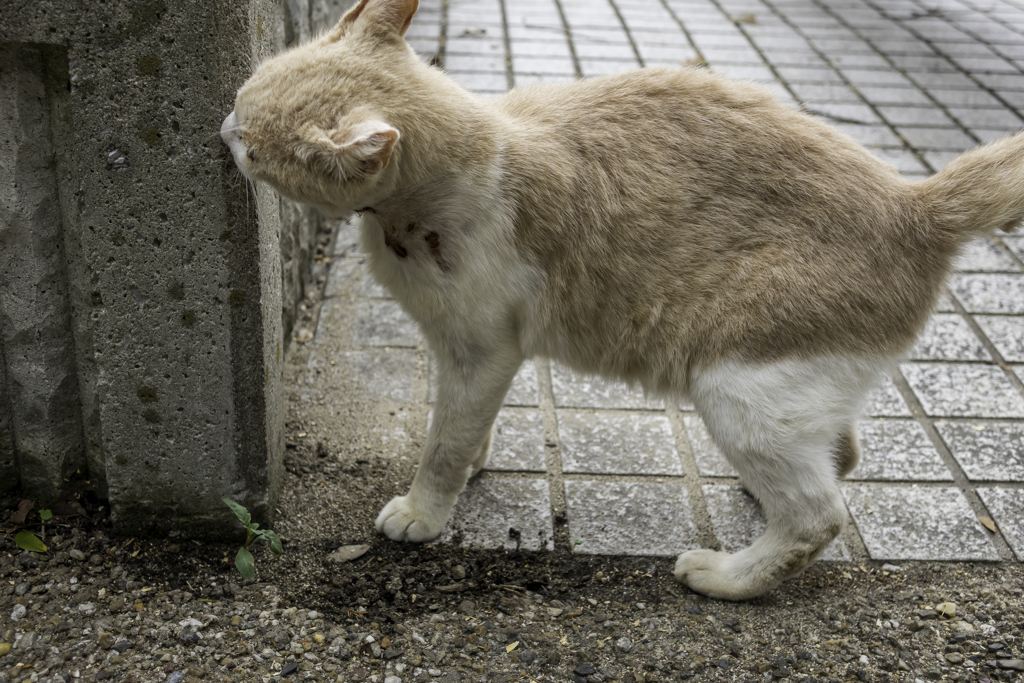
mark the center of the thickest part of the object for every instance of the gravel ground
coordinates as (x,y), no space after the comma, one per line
(97,608)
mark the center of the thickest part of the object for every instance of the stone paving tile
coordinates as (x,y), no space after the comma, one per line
(947,336)
(869,136)
(962,390)
(900,159)
(619,518)
(936,138)
(340,276)
(518,441)
(905,523)
(1015,244)
(897,450)
(738,521)
(490,506)
(352,274)
(710,461)
(573,390)
(987,451)
(990,293)
(617,443)
(1007,509)
(346,242)
(376,323)
(493,82)
(1006,333)
(986,255)
(886,401)
(383,373)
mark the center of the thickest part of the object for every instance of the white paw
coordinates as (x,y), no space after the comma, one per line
(705,572)
(403,520)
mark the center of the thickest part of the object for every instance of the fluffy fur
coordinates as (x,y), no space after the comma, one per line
(665,227)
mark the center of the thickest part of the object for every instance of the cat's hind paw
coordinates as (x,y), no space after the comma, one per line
(708,572)
(401,520)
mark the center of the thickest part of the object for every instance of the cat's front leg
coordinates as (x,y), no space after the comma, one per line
(470,393)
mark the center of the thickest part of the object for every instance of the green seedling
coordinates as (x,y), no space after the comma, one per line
(27,540)
(578,542)
(244,559)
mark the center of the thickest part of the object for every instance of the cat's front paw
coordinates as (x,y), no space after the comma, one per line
(707,572)
(403,520)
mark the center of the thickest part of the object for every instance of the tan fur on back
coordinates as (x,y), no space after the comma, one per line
(702,216)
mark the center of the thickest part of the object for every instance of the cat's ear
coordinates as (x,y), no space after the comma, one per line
(362,149)
(391,15)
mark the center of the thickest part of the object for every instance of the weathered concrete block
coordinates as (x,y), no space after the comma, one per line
(35,315)
(174,266)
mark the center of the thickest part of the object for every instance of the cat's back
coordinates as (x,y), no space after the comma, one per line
(746,223)
(685,117)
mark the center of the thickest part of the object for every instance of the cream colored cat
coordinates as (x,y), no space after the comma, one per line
(665,227)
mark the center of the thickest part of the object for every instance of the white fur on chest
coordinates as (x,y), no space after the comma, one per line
(447,254)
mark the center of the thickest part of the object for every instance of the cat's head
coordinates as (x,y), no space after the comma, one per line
(314,121)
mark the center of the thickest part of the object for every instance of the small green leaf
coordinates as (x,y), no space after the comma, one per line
(46,515)
(246,565)
(254,526)
(239,510)
(27,540)
(274,541)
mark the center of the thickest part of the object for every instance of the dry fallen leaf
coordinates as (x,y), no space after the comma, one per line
(18,518)
(989,524)
(746,19)
(509,648)
(348,552)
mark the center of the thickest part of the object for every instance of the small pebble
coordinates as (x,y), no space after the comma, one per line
(77,554)
(18,612)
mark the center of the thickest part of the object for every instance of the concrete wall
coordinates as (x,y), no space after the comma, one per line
(140,277)
(35,312)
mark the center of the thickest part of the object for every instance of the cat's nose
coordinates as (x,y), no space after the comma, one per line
(229,128)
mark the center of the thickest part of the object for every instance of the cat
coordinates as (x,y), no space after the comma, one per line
(665,227)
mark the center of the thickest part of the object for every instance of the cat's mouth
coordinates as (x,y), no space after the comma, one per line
(230,132)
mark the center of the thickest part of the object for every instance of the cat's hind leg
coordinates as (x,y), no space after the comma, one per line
(778,424)
(471,389)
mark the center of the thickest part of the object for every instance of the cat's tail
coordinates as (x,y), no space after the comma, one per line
(979,192)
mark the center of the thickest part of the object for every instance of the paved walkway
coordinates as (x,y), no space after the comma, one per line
(943,440)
